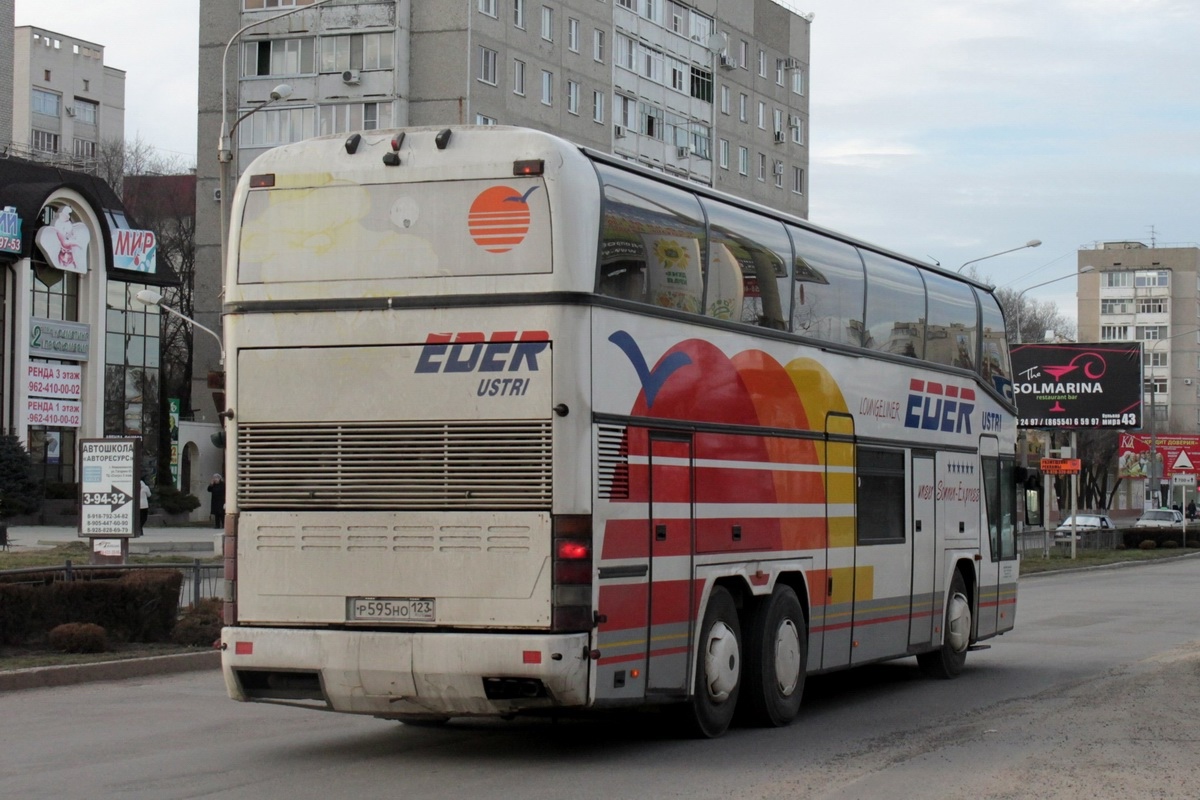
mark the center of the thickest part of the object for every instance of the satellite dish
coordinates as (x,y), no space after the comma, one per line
(715,43)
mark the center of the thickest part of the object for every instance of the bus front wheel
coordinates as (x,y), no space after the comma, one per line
(949,659)
(718,667)
(777,658)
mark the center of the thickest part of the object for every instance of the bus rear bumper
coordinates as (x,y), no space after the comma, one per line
(404,674)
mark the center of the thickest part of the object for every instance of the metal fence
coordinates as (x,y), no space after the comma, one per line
(200,580)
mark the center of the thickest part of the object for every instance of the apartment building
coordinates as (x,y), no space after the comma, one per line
(713,91)
(65,100)
(7,17)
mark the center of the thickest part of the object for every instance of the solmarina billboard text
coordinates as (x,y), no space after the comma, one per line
(1078,385)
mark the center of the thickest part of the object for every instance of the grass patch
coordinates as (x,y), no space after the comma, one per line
(1032,561)
(78,553)
(28,657)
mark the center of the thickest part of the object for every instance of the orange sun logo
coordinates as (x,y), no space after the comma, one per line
(499,218)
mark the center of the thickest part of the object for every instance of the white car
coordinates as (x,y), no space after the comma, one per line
(1160,518)
(1084,523)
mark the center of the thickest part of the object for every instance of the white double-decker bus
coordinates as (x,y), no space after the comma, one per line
(519,427)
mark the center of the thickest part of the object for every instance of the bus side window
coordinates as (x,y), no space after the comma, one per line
(651,242)
(994,365)
(895,306)
(828,295)
(951,327)
(748,262)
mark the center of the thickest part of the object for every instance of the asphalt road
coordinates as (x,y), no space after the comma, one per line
(1096,694)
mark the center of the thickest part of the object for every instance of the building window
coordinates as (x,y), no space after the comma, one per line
(1150,332)
(1114,333)
(573,35)
(347,117)
(1156,385)
(547,87)
(724,99)
(779,72)
(1156,358)
(1152,279)
(1116,280)
(797,126)
(723,153)
(778,172)
(487,7)
(358,51)
(626,4)
(1152,306)
(44,141)
(762,63)
(279,57)
(743,161)
(598,106)
(744,55)
(481,119)
(702,84)
(487,65)
(572,97)
(1116,306)
(46,103)
(519,13)
(548,23)
(677,69)
(131,369)
(85,148)
(519,77)
(598,45)
(742,99)
(777,123)
(274,126)
(762,166)
(626,52)
(652,64)
(762,115)
(86,112)
(798,180)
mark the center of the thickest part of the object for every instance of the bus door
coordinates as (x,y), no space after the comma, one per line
(834,586)
(672,547)
(924,550)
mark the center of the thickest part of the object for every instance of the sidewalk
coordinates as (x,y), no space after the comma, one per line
(185,542)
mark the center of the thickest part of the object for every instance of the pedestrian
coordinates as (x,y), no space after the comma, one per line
(216,506)
(1191,510)
(145,502)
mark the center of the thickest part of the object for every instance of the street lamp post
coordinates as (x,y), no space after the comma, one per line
(1030,243)
(1082,271)
(150,297)
(224,142)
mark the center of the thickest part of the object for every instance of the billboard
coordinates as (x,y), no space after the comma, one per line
(1177,455)
(1078,385)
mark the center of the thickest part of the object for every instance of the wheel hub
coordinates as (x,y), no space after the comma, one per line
(787,657)
(958,623)
(721,662)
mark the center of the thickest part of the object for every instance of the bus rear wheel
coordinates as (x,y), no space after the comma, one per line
(718,667)
(777,659)
(949,659)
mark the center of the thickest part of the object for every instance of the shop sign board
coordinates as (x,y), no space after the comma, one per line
(56,338)
(10,231)
(135,250)
(1177,453)
(64,381)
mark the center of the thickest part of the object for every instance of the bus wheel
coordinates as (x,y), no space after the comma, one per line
(718,667)
(948,660)
(777,658)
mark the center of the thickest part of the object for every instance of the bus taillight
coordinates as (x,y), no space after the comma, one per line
(533,166)
(572,610)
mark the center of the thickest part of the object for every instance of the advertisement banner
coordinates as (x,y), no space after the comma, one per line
(135,250)
(10,231)
(1176,454)
(1091,386)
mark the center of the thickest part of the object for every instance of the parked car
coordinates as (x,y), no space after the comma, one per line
(1083,524)
(1160,518)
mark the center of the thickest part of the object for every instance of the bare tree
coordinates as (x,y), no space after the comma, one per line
(116,158)
(1038,319)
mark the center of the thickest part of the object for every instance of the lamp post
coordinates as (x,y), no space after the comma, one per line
(1082,271)
(150,297)
(224,142)
(1030,243)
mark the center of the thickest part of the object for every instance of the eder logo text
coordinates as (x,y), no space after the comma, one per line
(472,351)
(934,407)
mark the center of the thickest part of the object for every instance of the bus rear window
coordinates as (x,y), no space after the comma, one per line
(343,231)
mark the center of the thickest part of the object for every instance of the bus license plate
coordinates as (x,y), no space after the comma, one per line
(390,609)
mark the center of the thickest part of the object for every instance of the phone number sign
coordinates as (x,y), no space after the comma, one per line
(109,488)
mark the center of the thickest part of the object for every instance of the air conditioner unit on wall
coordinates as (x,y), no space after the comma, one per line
(726,62)
(779,137)
(791,63)
(351,77)
(681,152)
(618,131)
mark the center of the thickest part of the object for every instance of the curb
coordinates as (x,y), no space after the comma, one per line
(1114,565)
(70,674)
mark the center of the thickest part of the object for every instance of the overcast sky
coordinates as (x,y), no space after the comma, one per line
(945,130)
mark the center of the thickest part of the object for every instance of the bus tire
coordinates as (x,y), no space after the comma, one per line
(718,667)
(948,660)
(776,660)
